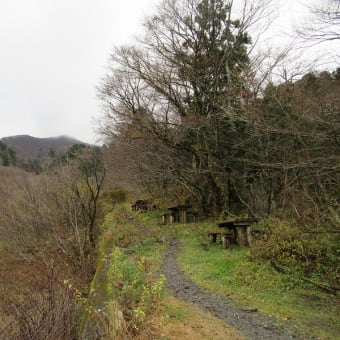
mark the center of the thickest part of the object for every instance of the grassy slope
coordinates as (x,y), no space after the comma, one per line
(170,318)
(230,272)
(258,285)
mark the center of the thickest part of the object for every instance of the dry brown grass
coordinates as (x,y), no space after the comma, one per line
(175,319)
(34,301)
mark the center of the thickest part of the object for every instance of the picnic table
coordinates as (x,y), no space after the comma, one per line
(142,205)
(237,232)
(179,213)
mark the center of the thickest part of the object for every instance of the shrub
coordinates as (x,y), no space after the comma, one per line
(35,304)
(310,255)
(129,287)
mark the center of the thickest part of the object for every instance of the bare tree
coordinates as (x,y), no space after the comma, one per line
(323,23)
(183,87)
(81,174)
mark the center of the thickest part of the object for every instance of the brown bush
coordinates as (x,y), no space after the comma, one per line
(35,302)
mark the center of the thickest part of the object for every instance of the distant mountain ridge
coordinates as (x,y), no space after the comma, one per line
(29,147)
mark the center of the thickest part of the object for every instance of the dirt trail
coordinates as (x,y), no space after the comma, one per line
(248,322)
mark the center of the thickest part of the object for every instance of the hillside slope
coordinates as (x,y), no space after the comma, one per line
(29,147)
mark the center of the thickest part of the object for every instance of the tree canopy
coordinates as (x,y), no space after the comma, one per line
(183,107)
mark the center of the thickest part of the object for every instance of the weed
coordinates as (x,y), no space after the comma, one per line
(128,285)
(176,312)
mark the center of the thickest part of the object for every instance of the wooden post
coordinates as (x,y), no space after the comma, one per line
(226,240)
(241,236)
(248,235)
(182,215)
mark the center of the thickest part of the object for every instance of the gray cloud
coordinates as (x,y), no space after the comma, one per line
(52,54)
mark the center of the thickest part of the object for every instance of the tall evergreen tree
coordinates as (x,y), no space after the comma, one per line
(183,87)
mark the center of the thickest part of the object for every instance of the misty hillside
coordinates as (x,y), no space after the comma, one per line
(29,147)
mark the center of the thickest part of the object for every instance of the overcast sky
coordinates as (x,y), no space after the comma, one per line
(53,53)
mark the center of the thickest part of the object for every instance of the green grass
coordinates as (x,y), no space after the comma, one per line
(228,271)
(258,285)
(137,242)
(132,278)
(176,312)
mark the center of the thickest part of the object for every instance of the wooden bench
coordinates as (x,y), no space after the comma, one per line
(168,218)
(227,240)
(213,237)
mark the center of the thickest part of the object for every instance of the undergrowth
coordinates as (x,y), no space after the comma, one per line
(311,255)
(246,275)
(132,282)
(234,272)
(129,286)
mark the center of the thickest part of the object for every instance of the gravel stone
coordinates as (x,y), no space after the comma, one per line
(249,322)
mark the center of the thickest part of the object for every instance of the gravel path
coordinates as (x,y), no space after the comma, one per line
(248,322)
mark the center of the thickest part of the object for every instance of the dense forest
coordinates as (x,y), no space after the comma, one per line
(195,113)
(188,112)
